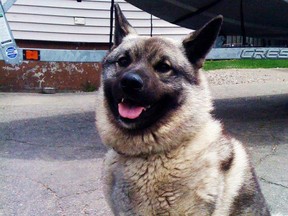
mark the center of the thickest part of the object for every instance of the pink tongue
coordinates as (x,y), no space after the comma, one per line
(130,112)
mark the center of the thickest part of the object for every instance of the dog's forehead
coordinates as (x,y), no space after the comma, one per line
(151,47)
(159,44)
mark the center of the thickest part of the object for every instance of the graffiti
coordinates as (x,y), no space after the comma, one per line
(11,68)
(52,67)
(262,53)
(74,68)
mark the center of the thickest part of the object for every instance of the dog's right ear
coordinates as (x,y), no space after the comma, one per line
(122,26)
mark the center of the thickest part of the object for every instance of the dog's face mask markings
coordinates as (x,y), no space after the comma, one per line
(143,76)
(142,88)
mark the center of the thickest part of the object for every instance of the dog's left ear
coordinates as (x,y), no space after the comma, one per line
(198,44)
(122,26)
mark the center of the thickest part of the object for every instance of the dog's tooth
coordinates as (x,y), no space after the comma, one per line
(145,108)
(122,100)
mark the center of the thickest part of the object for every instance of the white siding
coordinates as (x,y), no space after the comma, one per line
(53,20)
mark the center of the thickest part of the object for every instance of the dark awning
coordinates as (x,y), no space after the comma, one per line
(254,18)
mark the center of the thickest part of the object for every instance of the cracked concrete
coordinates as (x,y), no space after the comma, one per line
(273,183)
(265,157)
(51,156)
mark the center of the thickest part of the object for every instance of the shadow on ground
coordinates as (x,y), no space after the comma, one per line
(260,120)
(65,137)
(255,120)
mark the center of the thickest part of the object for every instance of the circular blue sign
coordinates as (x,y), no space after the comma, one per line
(11,52)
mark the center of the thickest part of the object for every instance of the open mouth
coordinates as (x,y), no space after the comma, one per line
(139,111)
(130,110)
(135,115)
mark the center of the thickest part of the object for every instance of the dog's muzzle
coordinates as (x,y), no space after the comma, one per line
(131,84)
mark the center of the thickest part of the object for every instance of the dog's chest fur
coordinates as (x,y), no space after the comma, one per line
(161,184)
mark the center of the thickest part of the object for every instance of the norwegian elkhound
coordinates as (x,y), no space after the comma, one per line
(168,155)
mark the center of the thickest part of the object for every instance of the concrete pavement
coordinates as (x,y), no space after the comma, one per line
(51,156)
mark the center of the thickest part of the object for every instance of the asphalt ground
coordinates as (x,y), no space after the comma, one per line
(51,155)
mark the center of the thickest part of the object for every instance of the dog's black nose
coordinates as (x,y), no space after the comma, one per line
(131,81)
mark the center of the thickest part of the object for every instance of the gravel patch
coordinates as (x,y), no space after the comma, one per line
(246,76)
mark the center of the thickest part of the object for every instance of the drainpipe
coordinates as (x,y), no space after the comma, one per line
(243,31)
(111,25)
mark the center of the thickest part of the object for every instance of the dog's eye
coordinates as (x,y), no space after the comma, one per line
(124,61)
(163,67)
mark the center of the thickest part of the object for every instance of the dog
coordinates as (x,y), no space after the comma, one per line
(168,155)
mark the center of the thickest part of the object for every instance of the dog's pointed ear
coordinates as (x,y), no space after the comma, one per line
(122,26)
(198,44)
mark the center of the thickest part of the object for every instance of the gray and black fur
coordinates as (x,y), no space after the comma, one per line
(168,155)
